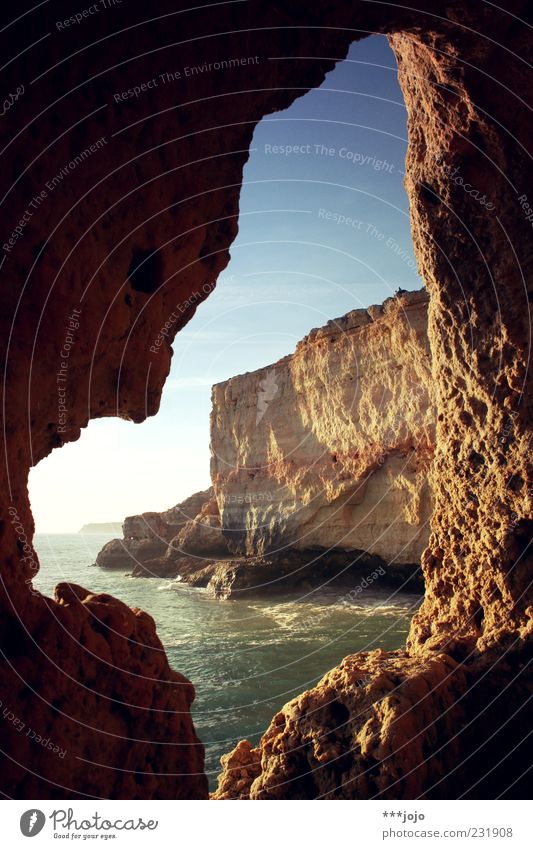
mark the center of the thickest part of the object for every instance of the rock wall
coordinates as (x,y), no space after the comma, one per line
(115,258)
(378,708)
(475,262)
(331,447)
(467,134)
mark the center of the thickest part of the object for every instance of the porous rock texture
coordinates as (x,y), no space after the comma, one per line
(400,716)
(148,535)
(330,447)
(136,232)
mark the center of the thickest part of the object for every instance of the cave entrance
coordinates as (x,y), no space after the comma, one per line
(324,240)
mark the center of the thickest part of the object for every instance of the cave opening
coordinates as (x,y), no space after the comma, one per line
(323,241)
(114,157)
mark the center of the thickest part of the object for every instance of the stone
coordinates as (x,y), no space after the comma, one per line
(337,454)
(365,731)
(148,535)
(122,253)
(201,536)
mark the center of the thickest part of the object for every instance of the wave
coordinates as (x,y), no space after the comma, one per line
(303,615)
(178,585)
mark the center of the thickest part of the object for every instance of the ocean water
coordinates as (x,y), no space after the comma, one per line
(246,658)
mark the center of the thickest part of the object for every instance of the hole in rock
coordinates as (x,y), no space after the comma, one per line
(144,272)
(307,452)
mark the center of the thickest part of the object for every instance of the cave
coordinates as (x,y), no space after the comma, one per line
(444,717)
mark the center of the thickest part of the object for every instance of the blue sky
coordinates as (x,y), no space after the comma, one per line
(323,229)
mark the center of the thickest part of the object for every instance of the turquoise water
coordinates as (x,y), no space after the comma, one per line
(245,658)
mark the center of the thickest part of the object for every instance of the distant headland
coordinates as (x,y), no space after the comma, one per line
(101,528)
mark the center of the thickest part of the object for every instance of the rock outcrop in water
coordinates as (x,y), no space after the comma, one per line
(330,447)
(116,258)
(148,535)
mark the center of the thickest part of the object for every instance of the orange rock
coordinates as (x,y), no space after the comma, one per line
(144,224)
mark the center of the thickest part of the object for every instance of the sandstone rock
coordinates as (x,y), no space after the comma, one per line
(201,536)
(241,767)
(292,570)
(147,536)
(365,731)
(278,574)
(126,553)
(147,227)
(336,452)
(186,554)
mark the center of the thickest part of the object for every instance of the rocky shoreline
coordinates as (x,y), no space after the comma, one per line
(198,555)
(290,571)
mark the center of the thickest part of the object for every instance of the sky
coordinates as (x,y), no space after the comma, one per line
(323,229)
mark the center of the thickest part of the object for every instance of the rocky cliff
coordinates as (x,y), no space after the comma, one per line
(136,234)
(330,447)
(335,459)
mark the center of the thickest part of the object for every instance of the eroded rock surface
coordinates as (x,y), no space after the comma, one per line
(478,606)
(331,447)
(372,727)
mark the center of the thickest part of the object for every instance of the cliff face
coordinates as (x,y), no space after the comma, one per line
(331,447)
(139,235)
(328,449)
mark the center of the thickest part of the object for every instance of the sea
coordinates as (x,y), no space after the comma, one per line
(245,657)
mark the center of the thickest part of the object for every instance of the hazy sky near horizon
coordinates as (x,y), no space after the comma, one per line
(295,264)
